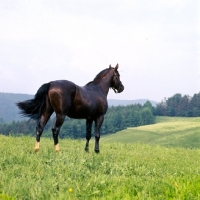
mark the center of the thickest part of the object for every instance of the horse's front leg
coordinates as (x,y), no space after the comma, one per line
(98,123)
(88,133)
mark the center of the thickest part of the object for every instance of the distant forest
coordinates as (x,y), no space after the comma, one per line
(178,105)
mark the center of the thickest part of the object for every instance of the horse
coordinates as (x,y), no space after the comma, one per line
(65,98)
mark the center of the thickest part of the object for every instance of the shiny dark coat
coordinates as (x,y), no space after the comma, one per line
(68,99)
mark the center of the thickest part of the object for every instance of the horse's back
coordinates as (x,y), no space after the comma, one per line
(62,85)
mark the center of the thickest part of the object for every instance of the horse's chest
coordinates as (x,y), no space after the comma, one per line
(87,105)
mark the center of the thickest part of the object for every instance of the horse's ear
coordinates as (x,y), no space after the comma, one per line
(109,66)
(117,66)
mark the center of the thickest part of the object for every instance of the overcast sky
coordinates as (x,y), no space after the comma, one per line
(156,43)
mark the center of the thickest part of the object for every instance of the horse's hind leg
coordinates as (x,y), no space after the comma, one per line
(88,133)
(56,129)
(40,127)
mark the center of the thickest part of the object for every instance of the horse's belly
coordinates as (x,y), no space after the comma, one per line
(80,112)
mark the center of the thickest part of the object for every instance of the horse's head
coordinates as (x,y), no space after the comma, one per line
(116,84)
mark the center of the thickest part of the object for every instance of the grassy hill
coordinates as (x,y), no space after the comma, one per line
(168,132)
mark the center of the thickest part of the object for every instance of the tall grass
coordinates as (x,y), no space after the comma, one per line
(120,171)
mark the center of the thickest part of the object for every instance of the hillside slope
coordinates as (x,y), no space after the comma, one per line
(168,131)
(8,109)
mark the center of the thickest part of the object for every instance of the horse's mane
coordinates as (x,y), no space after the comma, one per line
(98,76)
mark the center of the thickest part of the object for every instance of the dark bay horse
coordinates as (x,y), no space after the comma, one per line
(68,99)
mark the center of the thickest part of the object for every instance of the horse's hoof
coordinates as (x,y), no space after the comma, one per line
(37,146)
(57,148)
(86,149)
(97,151)
(36,150)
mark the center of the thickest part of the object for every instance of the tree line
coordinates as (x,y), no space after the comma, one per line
(9,111)
(117,118)
(179,105)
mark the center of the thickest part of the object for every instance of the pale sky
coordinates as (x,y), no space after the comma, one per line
(156,43)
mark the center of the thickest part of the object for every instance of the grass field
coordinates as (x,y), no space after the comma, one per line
(168,132)
(121,171)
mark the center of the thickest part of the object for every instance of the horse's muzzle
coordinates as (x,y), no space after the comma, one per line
(120,89)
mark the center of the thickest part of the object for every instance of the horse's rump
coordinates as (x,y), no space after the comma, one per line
(61,95)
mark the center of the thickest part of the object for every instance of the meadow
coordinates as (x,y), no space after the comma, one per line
(141,169)
(168,132)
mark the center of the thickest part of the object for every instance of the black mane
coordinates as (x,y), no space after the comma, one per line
(100,74)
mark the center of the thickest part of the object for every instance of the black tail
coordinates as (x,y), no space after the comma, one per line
(33,108)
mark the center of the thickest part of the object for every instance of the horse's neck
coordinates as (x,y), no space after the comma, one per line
(104,84)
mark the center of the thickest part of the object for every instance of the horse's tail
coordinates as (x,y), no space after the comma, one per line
(33,108)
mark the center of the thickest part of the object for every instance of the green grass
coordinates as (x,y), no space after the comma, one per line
(121,171)
(168,132)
